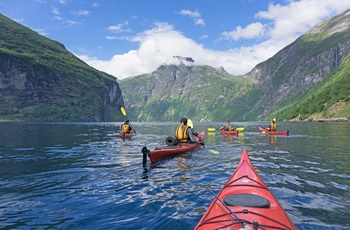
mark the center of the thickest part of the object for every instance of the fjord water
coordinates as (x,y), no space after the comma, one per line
(83,176)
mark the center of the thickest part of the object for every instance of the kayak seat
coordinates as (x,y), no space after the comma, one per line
(247,200)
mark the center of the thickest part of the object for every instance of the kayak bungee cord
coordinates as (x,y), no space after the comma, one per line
(246,211)
(246,176)
(234,217)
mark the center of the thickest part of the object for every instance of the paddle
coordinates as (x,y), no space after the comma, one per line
(238,129)
(190,123)
(122,109)
(213,151)
(228,210)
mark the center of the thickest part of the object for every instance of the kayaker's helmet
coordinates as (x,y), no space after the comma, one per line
(183,120)
(274,119)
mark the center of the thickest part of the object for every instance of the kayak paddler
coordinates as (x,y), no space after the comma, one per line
(228,126)
(273,126)
(125,126)
(185,133)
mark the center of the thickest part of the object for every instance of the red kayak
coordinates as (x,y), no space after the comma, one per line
(168,151)
(245,202)
(232,133)
(273,132)
(124,136)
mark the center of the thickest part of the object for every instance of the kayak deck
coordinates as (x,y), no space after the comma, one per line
(124,136)
(245,200)
(263,130)
(232,133)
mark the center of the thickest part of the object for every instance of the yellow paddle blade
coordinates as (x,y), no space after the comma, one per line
(190,123)
(123,111)
(211,129)
(240,128)
(213,151)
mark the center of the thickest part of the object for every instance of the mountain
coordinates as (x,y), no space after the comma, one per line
(174,91)
(41,81)
(308,78)
(302,78)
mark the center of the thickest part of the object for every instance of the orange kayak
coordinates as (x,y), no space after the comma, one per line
(245,202)
(232,133)
(273,132)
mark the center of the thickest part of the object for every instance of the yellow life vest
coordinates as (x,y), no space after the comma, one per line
(273,126)
(181,133)
(125,128)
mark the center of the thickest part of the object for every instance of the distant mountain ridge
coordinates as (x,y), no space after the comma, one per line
(41,81)
(277,87)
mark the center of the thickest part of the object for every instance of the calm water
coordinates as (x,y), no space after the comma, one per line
(83,176)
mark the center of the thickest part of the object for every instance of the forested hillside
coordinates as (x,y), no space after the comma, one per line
(41,81)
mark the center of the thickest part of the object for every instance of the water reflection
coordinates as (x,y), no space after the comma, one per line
(272,139)
(211,138)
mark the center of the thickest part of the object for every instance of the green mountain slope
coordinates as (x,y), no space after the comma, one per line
(332,38)
(41,81)
(172,92)
(318,101)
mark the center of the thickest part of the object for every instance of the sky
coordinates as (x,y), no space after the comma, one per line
(130,37)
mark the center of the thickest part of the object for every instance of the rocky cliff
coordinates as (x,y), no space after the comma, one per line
(300,66)
(41,81)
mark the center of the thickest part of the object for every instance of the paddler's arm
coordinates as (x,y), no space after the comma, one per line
(190,134)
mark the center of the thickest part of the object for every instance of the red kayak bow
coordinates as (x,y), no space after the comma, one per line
(245,202)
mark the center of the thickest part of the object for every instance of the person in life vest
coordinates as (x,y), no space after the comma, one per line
(185,133)
(228,126)
(273,126)
(125,127)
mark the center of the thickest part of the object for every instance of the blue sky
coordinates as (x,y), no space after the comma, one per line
(127,38)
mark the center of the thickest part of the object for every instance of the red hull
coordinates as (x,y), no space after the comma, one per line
(236,204)
(168,151)
(125,135)
(232,133)
(273,133)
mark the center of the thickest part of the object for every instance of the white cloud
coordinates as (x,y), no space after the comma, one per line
(251,31)
(63,2)
(71,23)
(160,44)
(195,15)
(119,27)
(55,11)
(279,25)
(81,12)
